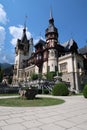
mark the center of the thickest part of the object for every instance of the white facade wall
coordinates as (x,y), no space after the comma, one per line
(72,73)
(66,59)
(19,58)
(25,74)
(36,70)
(44,69)
(52,62)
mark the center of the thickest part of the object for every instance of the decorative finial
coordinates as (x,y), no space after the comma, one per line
(51,16)
(25,21)
(51,20)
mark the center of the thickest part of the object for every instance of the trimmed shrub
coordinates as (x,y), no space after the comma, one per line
(60,89)
(34,76)
(50,75)
(85,91)
(39,91)
(46,91)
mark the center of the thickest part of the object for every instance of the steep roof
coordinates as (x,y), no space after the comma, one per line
(83,50)
(69,45)
(24,37)
(40,42)
(51,28)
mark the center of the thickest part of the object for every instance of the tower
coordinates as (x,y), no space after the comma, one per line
(51,35)
(23,51)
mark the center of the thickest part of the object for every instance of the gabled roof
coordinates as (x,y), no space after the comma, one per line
(83,50)
(40,42)
(69,44)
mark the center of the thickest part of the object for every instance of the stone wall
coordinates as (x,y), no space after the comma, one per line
(72,78)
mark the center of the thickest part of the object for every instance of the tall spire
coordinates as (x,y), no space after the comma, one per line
(51,16)
(51,20)
(51,28)
(25,21)
(24,30)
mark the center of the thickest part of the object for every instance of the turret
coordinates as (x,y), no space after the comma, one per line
(51,32)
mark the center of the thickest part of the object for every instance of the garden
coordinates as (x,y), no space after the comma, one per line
(27,96)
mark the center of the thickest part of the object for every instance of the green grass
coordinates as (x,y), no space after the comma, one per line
(19,102)
(6,94)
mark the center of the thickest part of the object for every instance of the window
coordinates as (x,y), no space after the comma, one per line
(63,67)
(78,65)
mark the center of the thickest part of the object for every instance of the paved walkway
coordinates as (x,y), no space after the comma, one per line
(72,115)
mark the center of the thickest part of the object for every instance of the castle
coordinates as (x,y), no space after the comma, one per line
(50,56)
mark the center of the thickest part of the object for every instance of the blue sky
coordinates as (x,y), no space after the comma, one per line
(70,17)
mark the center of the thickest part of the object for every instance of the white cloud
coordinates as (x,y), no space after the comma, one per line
(17,32)
(4,58)
(3,15)
(2,37)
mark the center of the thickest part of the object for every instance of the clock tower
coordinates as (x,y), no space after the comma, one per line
(23,51)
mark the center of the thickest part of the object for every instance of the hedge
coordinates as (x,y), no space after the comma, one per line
(60,89)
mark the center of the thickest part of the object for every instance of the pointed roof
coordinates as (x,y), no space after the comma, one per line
(69,45)
(83,50)
(51,20)
(51,28)
(24,35)
(24,31)
(40,42)
(51,16)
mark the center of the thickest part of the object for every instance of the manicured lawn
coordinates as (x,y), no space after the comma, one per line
(6,94)
(19,102)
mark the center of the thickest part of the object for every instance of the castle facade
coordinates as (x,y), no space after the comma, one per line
(50,56)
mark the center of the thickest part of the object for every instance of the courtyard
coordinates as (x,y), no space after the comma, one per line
(71,115)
